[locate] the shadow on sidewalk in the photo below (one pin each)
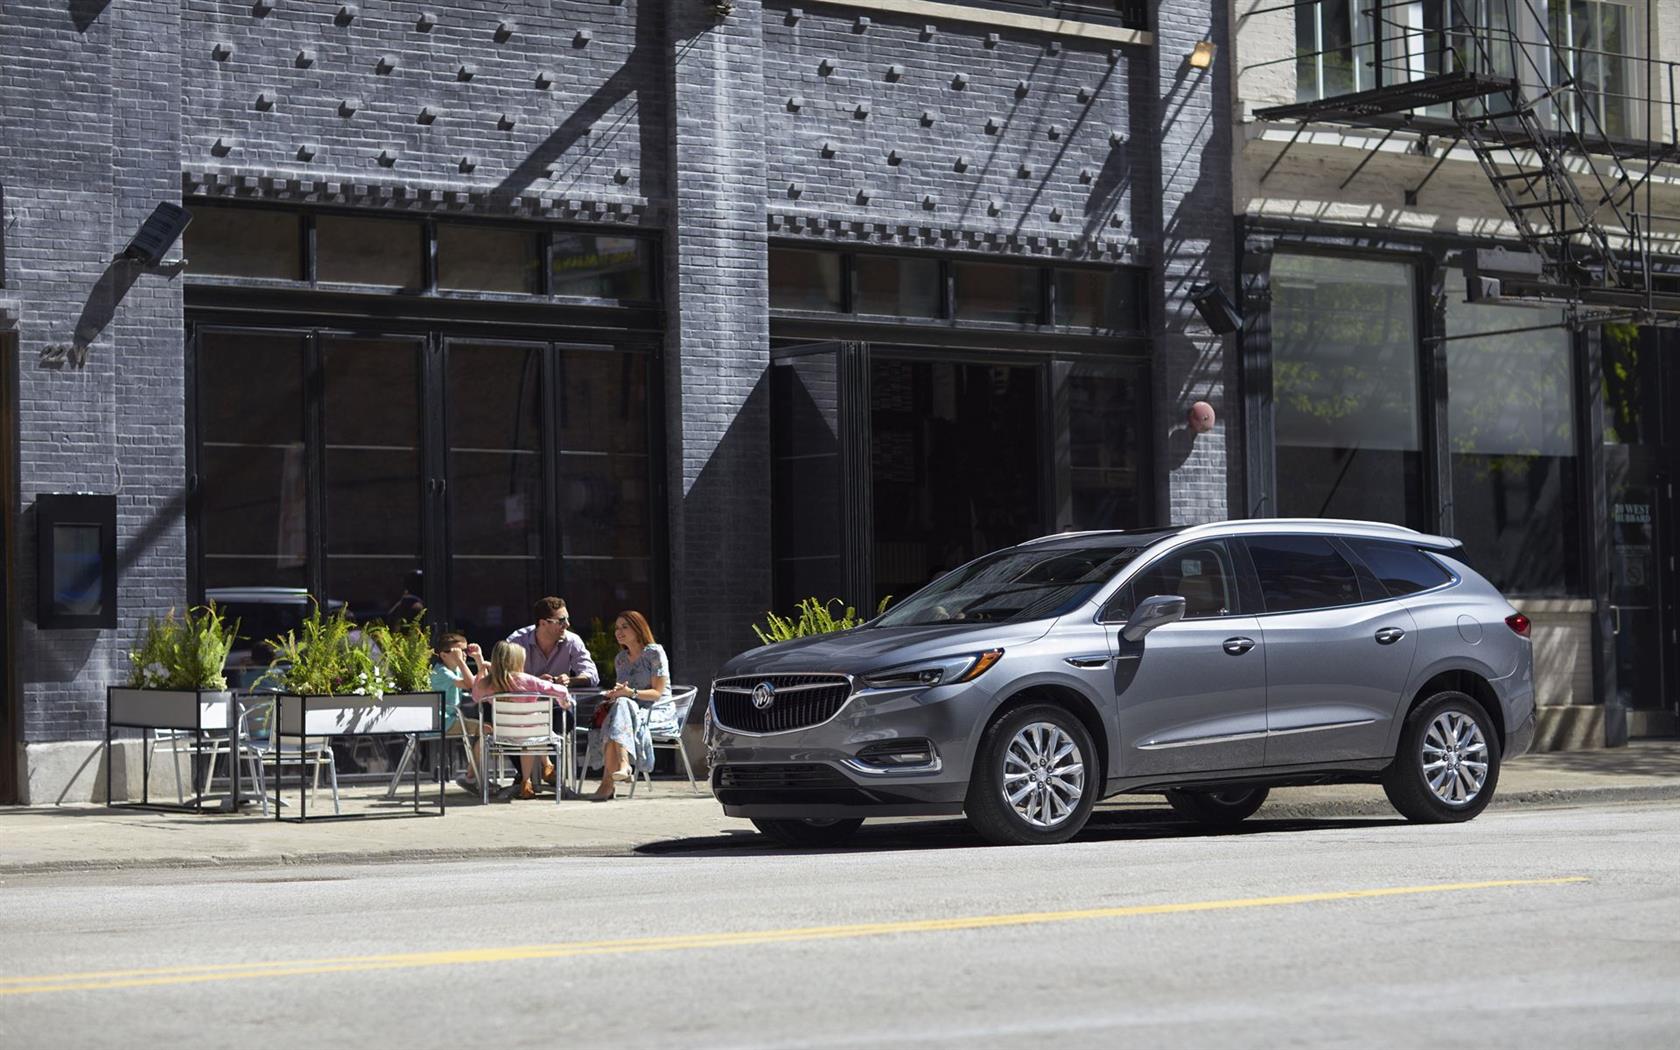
(1657, 758)
(1108, 826)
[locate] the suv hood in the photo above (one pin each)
(863, 650)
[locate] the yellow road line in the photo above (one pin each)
(112, 979)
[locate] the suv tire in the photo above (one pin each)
(1447, 765)
(1043, 757)
(804, 834)
(1219, 809)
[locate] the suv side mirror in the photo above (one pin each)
(1151, 613)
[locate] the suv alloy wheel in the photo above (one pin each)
(1035, 778)
(1447, 765)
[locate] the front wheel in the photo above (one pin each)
(803, 834)
(1035, 778)
(1448, 762)
(1220, 809)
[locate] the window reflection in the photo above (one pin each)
(906, 287)
(253, 504)
(1345, 389)
(244, 242)
(996, 292)
(1511, 431)
(801, 280)
(597, 267)
(475, 258)
(379, 252)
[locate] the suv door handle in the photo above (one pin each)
(1239, 645)
(1389, 635)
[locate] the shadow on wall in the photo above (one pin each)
(635, 77)
(86, 12)
(720, 538)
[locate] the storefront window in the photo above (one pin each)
(584, 264)
(383, 253)
(997, 292)
(801, 280)
(244, 242)
(1099, 299)
(605, 477)
(1345, 389)
(1107, 421)
(253, 497)
(905, 287)
(371, 419)
(487, 259)
(495, 495)
(1511, 434)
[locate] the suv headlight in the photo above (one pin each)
(948, 671)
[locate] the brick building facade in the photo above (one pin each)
(608, 221)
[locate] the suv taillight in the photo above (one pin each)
(1518, 623)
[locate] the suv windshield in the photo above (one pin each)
(1022, 583)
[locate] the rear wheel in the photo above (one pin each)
(1035, 778)
(1220, 809)
(808, 833)
(1448, 763)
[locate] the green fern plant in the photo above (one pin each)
(320, 657)
(813, 617)
(406, 651)
(189, 653)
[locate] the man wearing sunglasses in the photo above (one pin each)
(552, 650)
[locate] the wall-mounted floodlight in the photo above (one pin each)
(1201, 56)
(1216, 308)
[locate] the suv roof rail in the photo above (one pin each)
(1317, 523)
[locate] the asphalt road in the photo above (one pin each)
(1531, 928)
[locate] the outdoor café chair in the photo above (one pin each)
(683, 697)
(411, 753)
(175, 738)
(523, 724)
(258, 747)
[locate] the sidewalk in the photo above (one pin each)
(82, 838)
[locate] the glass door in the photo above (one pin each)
(957, 463)
(1642, 448)
(820, 528)
(493, 427)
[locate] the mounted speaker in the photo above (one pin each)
(1216, 308)
(160, 230)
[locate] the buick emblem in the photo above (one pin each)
(763, 694)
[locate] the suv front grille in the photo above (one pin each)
(801, 701)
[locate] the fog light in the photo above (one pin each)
(894, 756)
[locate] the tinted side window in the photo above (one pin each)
(1403, 570)
(1302, 572)
(1201, 575)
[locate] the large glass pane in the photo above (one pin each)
(996, 292)
(1511, 433)
(370, 408)
(584, 264)
(1099, 299)
(244, 242)
(494, 428)
(806, 481)
(380, 252)
(1301, 572)
(487, 259)
(903, 287)
(605, 511)
(1107, 420)
(804, 280)
(253, 504)
(956, 462)
(1345, 389)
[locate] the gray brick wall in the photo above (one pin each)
(541, 99)
(99, 370)
(718, 336)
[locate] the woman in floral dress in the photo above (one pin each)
(620, 742)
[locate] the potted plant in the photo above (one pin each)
(353, 681)
(176, 678)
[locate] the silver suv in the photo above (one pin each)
(1209, 663)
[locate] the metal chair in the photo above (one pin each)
(683, 697)
(258, 745)
(411, 753)
(175, 738)
(523, 724)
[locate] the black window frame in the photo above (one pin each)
(1043, 321)
(426, 224)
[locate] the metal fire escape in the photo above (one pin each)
(1515, 100)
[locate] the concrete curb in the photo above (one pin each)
(1372, 807)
